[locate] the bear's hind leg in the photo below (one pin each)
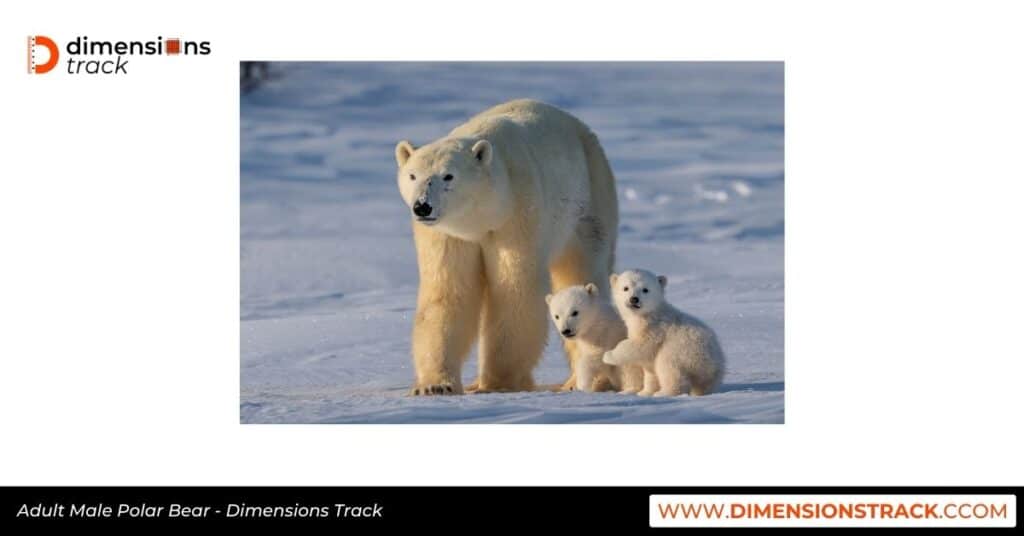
(702, 384)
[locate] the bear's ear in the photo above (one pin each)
(403, 151)
(547, 299)
(612, 278)
(663, 281)
(591, 289)
(483, 152)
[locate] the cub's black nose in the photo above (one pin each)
(566, 332)
(422, 209)
(634, 300)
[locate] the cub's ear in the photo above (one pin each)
(403, 151)
(591, 289)
(547, 299)
(483, 152)
(663, 281)
(612, 278)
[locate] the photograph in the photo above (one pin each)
(536, 267)
(512, 242)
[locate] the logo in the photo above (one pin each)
(53, 54)
(86, 56)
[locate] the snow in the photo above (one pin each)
(328, 268)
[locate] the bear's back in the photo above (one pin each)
(519, 113)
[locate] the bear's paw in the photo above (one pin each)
(436, 389)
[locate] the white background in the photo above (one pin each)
(119, 277)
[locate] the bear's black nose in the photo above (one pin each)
(566, 331)
(634, 300)
(422, 209)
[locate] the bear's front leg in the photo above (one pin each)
(650, 381)
(669, 377)
(632, 379)
(587, 369)
(624, 353)
(447, 310)
(513, 328)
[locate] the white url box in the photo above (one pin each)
(833, 510)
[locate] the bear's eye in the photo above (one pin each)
(645, 291)
(412, 177)
(448, 178)
(625, 289)
(575, 313)
(556, 317)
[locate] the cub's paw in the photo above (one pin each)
(645, 393)
(435, 389)
(475, 389)
(629, 391)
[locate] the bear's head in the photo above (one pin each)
(457, 185)
(637, 291)
(574, 309)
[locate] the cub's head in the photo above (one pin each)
(637, 291)
(573, 308)
(455, 184)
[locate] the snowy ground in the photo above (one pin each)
(328, 267)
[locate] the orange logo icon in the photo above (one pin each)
(41, 41)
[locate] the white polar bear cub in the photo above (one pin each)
(582, 315)
(671, 346)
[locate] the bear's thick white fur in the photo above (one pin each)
(676, 350)
(521, 200)
(582, 315)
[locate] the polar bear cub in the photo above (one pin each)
(674, 348)
(582, 315)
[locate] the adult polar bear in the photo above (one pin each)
(518, 200)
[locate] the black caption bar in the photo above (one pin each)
(438, 509)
